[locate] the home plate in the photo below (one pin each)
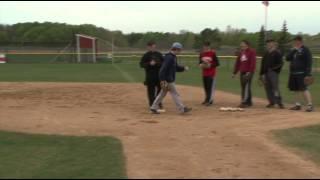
(231, 109)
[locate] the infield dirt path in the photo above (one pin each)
(205, 144)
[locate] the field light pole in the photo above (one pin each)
(112, 49)
(266, 5)
(266, 18)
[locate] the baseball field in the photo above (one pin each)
(92, 121)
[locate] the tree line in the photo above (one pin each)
(57, 34)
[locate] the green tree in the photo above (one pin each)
(284, 39)
(188, 39)
(261, 41)
(59, 34)
(134, 38)
(211, 35)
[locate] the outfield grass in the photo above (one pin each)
(127, 70)
(304, 141)
(41, 156)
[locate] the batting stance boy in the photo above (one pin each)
(271, 66)
(167, 77)
(208, 61)
(151, 62)
(300, 59)
(246, 65)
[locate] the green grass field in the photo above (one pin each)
(38, 156)
(127, 70)
(59, 157)
(305, 141)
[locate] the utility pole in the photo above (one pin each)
(112, 50)
(266, 4)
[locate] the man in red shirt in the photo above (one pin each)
(246, 65)
(208, 61)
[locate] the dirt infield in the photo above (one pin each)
(207, 143)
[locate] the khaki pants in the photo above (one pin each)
(175, 96)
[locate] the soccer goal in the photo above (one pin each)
(86, 48)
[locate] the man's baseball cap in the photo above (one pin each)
(176, 45)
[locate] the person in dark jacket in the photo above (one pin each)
(208, 62)
(151, 62)
(167, 77)
(246, 65)
(300, 59)
(271, 66)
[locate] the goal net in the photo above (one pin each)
(86, 49)
(92, 49)
(81, 49)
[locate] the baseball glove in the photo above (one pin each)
(247, 77)
(262, 81)
(309, 80)
(164, 85)
(205, 65)
(205, 62)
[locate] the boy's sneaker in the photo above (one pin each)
(244, 105)
(154, 111)
(161, 110)
(281, 106)
(204, 103)
(296, 108)
(310, 108)
(209, 103)
(270, 106)
(186, 110)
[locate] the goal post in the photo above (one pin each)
(86, 48)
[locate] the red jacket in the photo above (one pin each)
(246, 61)
(210, 72)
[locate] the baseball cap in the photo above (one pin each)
(176, 45)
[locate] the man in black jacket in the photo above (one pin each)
(151, 62)
(300, 59)
(271, 66)
(167, 77)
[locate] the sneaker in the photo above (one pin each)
(204, 103)
(270, 106)
(161, 110)
(296, 108)
(310, 108)
(209, 103)
(186, 110)
(154, 111)
(244, 106)
(281, 106)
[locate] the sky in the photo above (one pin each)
(171, 16)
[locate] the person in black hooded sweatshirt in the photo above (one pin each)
(151, 61)
(271, 66)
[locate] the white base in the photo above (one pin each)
(231, 109)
